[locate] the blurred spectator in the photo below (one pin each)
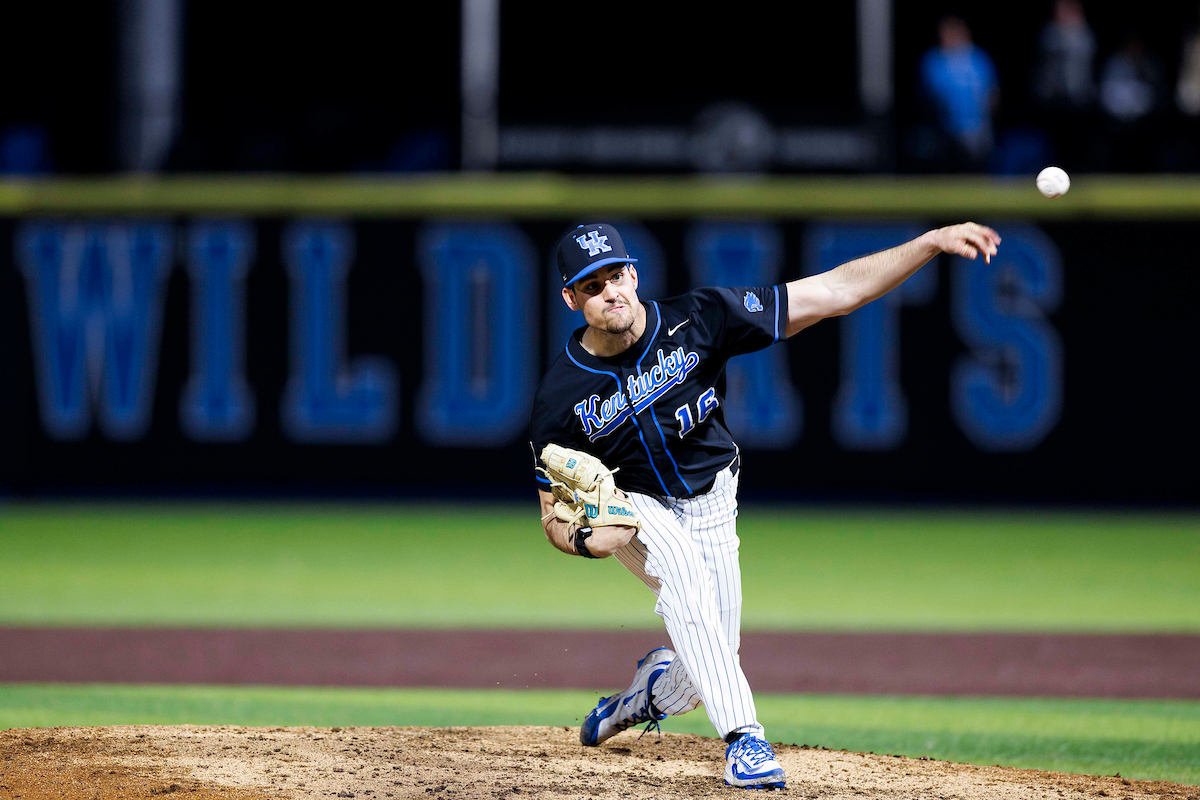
(1187, 90)
(1132, 90)
(959, 79)
(1180, 150)
(1067, 48)
(1132, 84)
(1064, 87)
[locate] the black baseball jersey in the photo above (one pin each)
(657, 409)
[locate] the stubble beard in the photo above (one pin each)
(619, 323)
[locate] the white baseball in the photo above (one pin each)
(1053, 181)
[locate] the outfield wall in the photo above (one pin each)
(235, 335)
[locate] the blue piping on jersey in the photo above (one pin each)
(776, 288)
(613, 375)
(653, 336)
(668, 452)
(653, 416)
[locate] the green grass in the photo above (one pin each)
(562, 196)
(1153, 740)
(435, 566)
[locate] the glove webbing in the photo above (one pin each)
(566, 490)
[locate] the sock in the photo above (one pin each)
(745, 730)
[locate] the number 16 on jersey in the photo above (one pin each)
(704, 406)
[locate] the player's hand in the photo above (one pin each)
(608, 539)
(968, 240)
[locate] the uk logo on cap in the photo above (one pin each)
(585, 249)
(594, 243)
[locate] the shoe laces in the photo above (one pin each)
(655, 725)
(645, 713)
(754, 751)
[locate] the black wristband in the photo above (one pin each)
(578, 537)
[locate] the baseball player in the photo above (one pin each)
(639, 392)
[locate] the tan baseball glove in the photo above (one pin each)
(584, 490)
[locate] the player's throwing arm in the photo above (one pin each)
(856, 283)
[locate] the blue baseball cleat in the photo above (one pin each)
(632, 706)
(750, 764)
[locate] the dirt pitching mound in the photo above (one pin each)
(231, 763)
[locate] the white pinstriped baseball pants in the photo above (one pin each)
(687, 553)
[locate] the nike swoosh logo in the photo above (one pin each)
(671, 331)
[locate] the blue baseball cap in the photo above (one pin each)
(587, 249)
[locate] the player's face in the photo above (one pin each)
(608, 298)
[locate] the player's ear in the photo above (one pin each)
(568, 296)
(633, 274)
